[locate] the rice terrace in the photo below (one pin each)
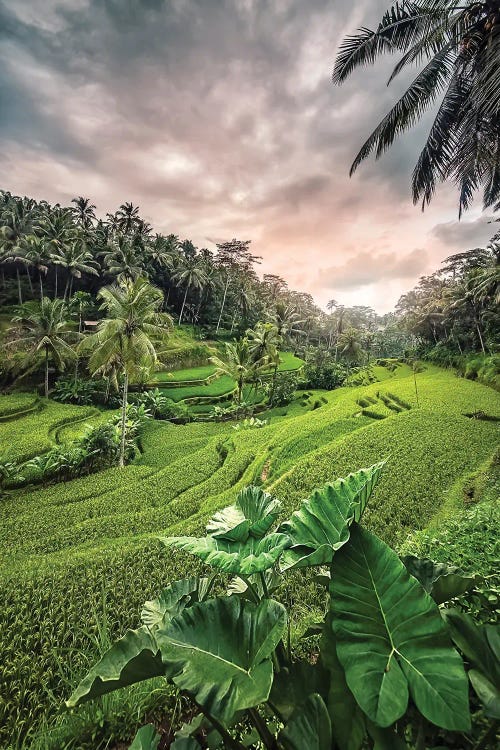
(249, 488)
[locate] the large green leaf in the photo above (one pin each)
(172, 600)
(253, 513)
(385, 738)
(309, 727)
(321, 525)
(147, 738)
(348, 721)
(391, 639)
(242, 558)
(133, 658)
(442, 582)
(220, 652)
(475, 642)
(487, 692)
(293, 684)
(185, 743)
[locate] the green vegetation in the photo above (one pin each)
(103, 527)
(229, 653)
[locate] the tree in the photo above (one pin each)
(127, 338)
(127, 218)
(121, 259)
(43, 335)
(240, 364)
(459, 46)
(232, 256)
(77, 260)
(190, 274)
(35, 253)
(350, 345)
(264, 342)
(84, 212)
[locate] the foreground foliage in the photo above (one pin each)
(383, 639)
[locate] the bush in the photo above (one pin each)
(281, 391)
(327, 375)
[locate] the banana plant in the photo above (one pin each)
(385, 649)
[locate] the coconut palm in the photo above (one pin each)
(121, 259)
(84, 212)
(239, 363)
(58, 230)
(77, 260)
(191, 275)
(43, 336)
(458, 45)
(265, 342)
(127, 218)
(126, 339)
(35, 254)
(350, 344)
(17, 222)
(287, 320)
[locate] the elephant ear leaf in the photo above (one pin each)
(309, 726)
(172, 600)
(224, 675)
(487, 692)
(133, 658)
(253, 514)
(239, 558)
(321, 525)
(391, 638)
(147, 738)
(442, 582)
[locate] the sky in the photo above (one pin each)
(219, 119)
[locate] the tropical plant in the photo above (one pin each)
(127, 338)
(121, 259)
(387, 668)
(239, 363)
(42, 335)
(192, 275)
(459, 47)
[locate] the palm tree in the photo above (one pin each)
(35, 253)
(121, 259)
(127, 218)
(57, 228)
(17, 221)
(459, 46)
(265, 342)
(190, 274)
(239, 364)
(462, 299)
(350, 344)
(84, 212)
(287, 320)
(77, 260)
(126, 339)
(43, 334)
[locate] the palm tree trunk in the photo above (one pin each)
(478, 329)
(19, 293)
(55, 290)
(46, 372)
(223, 303)
(66, 289)
(29, 280)
(273, 386)
(41, 285)
(71, 285)
(183, 304)
(121, 461)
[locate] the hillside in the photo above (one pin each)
(70, 547)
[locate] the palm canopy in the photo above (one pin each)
(43, 336)
(458, 45)
(121, 259)
(240, 364)
(131, 328)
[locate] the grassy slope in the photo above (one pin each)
(63, 545)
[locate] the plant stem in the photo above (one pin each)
(229, 741)
(260, 725)
(121, 462)
(487, 736)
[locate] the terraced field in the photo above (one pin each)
(68, 548)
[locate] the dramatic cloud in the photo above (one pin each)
(219, 118)
(364, 269)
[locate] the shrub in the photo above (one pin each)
(327, 375)
(281, 390)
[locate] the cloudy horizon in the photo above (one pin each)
(219, 119)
